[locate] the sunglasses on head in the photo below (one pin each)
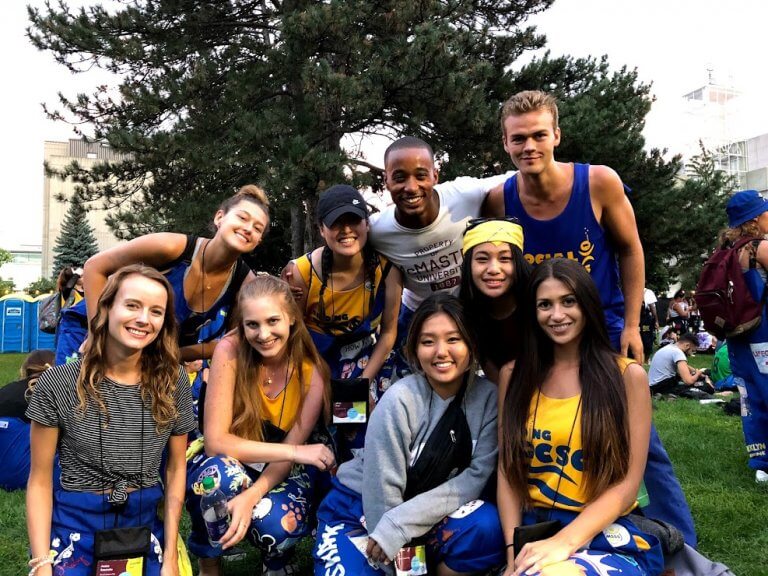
(474, 222)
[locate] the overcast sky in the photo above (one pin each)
(671, 42)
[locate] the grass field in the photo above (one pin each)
(706, 447)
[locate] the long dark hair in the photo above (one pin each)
(478, 303)
(604, 420)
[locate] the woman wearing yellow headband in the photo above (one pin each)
(493, 280)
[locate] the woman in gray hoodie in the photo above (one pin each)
(429, 452)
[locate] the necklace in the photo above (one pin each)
(271, 373)
(206, 286)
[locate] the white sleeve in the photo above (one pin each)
(477, 186)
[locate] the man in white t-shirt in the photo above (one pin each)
(422, 232)
(669, 370)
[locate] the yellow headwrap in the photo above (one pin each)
(496, 231)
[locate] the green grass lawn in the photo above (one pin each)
(706, 447)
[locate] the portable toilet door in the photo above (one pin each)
(36, 338)
(14, 318)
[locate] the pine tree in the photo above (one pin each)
(76, 243)
(215, 94)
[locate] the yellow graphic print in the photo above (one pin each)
(585, 251)
(565, 568)
(584, 255)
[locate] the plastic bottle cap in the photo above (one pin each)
(209, 483)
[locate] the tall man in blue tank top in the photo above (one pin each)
(581, 212)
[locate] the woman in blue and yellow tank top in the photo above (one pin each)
(350, 295)
(574, 433)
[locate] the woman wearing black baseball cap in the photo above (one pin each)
(350, 296)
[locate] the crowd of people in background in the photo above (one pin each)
(449, 382)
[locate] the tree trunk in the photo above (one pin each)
(311, 234)
(297, 232)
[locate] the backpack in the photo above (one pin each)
(725, 303)
(49, 312)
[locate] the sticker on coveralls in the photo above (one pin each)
(466, 509)
(616, 535)
(760, 354)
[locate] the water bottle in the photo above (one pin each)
(213, 505)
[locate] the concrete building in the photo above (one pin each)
(757, 163)
(709, 119)
(57, 156)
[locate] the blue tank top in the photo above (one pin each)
(575, 234)
(197, 327)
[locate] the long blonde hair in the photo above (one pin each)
(247, 410)
(159, 360)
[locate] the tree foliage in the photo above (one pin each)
(76, 243)
(5, 257)
(41, 286)
(215, 94)
(682, 223)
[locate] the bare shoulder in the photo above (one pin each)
(493, 206)
(605, 184)
(635, 376)
(505, 373)
(227, 347)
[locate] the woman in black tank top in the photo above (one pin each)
(493, 280)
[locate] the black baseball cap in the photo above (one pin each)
(338, 200)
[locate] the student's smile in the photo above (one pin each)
(410, 178)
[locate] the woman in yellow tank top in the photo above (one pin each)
(267, 390)
(575, 423)
(350, 295)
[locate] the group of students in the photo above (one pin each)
(558, 420)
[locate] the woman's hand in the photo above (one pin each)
(375, 552)
(318, 455)
(536, 555)
(240, 513)
(170, 565)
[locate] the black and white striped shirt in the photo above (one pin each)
(94, 458)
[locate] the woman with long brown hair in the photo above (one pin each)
(267, 390)
(205, 273)
(110, 415)
(573, 438)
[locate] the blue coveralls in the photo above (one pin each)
(749, 362)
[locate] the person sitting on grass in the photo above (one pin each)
(573, 439)
(350, 300)
(670, 373)
(14, 424)
(267, 390)
(429, 452)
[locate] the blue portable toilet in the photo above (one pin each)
(36, 338)
(13, 323)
